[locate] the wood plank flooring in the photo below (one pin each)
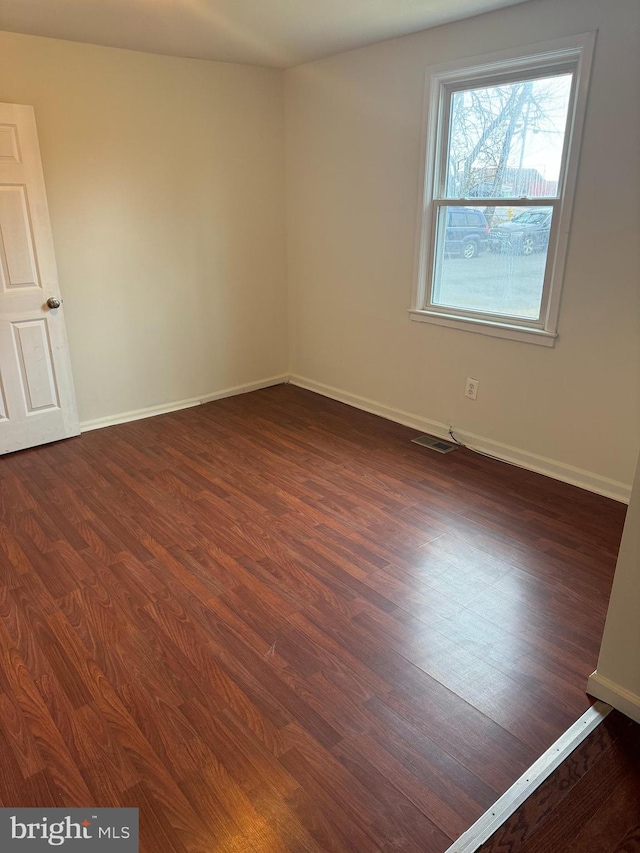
(591, 802)
(274, 624)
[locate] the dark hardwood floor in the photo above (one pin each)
(274, 624)
(591, 802)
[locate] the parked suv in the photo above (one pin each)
(467, 232)
(526, 233)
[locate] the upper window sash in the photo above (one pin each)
(471, 82)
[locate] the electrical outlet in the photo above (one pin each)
(471, 389)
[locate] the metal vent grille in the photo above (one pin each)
(434, 443)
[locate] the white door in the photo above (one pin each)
(37, 401)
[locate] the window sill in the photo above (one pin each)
(494, 328)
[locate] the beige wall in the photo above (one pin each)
(353, 155)
(165, 179)
(617, 679)
(165, 186)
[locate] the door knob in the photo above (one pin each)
(53, 302)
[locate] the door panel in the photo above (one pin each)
(37, 401)
(9, 151)
(36, 366)
(16, 239)
(3, 402)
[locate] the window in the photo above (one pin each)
(502, 146)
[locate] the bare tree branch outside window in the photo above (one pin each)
(496, 133)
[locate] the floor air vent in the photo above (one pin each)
(434, 443)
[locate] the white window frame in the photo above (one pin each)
(573, 54)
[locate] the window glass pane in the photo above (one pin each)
(506, 141)
(494, 266)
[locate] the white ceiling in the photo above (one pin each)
(277, 33)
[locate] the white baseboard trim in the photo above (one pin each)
(531, 461)
(512, 799)
(621, 698)
(165, 408)
(282, 379)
